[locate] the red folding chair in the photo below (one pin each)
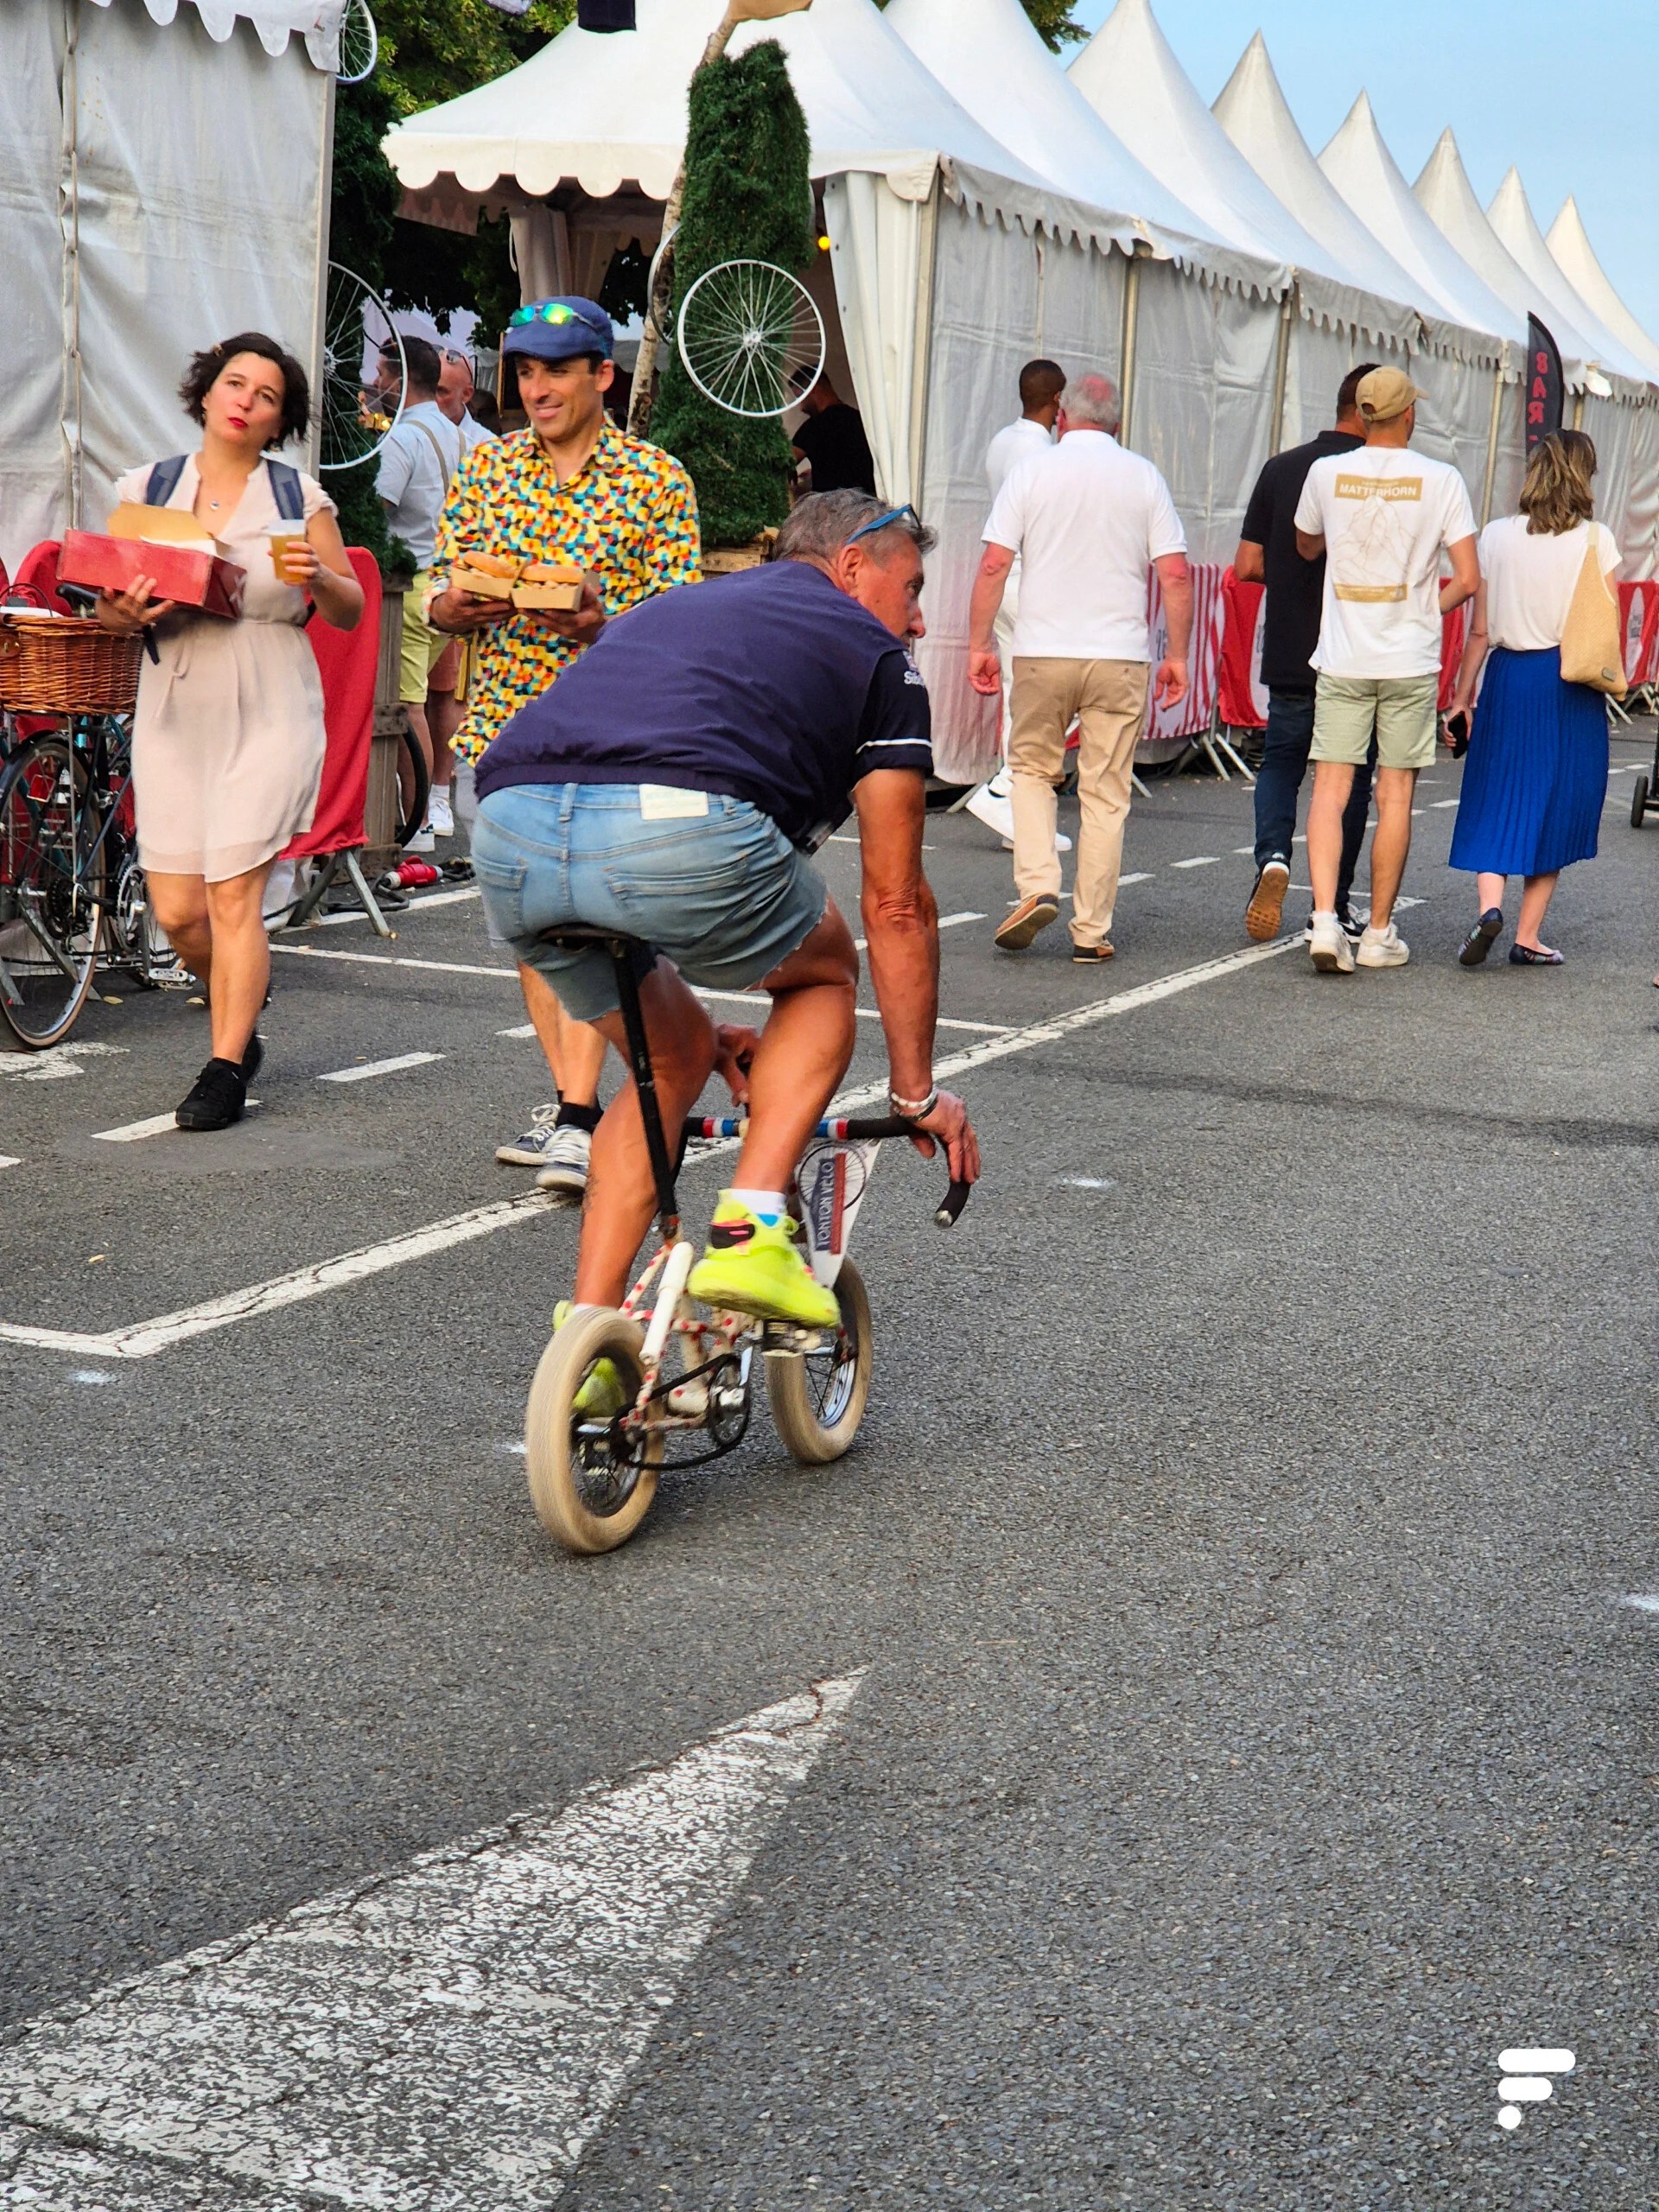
(37, 577)
(348, 660)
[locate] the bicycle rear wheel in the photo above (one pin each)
(414, 787)
(818, 1398)
(51, 891)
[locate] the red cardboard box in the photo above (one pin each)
(204, 580)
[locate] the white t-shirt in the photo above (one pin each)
(1014, 442)
(1088, 520)
(1530, 581)
(1384, 512)
(418, 463)
(473, 433)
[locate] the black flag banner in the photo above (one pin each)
(606, 15)
(1543, 386)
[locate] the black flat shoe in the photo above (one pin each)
(218, 1099)
(1527, 956)
(1478, 943)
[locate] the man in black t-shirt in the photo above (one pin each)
(671, 786)
(831, 440)
(1266, 554)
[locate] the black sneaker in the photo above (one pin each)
(1351, 926)
(218, 1099)
(253, 1059)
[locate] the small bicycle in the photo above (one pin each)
(687, 1376)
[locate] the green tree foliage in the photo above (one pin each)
(748, 195)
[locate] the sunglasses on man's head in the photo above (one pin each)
(885, 522)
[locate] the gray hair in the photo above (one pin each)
(1092, 401)
(820, 526)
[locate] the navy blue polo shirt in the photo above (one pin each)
(771, 686)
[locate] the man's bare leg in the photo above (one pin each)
(1390, 840)
(574, 1050)
(1333, 782)
(805, 1051)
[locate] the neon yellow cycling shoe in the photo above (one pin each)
(753, 1264)
(603, 1394)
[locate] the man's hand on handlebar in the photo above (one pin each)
(950, 1124)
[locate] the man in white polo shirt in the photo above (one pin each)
(1087, 520)
(1381, 516)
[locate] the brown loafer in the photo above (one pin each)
(1089, 956)
(1030, 915)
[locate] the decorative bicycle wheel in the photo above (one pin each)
(360, 45)
(355, 421)
(748, 329)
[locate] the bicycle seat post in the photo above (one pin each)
(644, 1081)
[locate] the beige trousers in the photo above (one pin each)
(1108, 701)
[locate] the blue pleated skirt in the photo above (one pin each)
(1535, 777)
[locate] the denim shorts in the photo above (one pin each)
(723, 893)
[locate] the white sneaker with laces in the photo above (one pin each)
(1332, 954)
(440, 815)
(565, 1168)
(531, 1149)
(1383, 948)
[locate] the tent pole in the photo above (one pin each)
(73, 455)
(1491, 442)
(1125, 348)
(1281, 364)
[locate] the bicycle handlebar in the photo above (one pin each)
(873, 1130)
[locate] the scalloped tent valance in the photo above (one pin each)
(275, 22)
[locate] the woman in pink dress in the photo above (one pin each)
(227, 741)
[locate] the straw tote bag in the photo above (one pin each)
(1592, 647)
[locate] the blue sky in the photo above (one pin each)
(1534, 82)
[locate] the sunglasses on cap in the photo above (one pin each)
(554, 311)
(885, 522)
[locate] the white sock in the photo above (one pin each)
(1324, 914)
(770, 1205)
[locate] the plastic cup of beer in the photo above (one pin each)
(283, 536)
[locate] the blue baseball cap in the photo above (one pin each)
(557, 330)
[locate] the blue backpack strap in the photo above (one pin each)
(164, 480)
(287, 490)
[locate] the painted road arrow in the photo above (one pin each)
(447, 2038)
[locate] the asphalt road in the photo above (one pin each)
(1256, 1738)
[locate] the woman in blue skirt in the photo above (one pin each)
(1535, 779)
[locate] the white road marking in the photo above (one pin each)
(367, 1073)
(1440, 805)
(432, 899)
(56, 1062)
(1204, 860)
(525, 1029)
(392, 960)
(131, 1132)
(757, 1004)
(7, 1160)
(450, 2038)
(1644, 1605)
(1245, 852)
(1122, 879)
(1089, 1182)
(144, 1339)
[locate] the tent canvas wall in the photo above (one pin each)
(145, 150)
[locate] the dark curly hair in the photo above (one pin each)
(206, 369)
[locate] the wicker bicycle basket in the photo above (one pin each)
(68, 666)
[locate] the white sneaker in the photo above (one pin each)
(440, 816)
(996, 811)
(422, 841)
(1383, 948)
(531, 1149)
(1332, 954)
(566, 1162)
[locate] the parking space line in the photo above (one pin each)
(374, 1068)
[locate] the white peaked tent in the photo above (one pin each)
(164, 182)
(1512, 222)
(988, 56)
(1445, 194)
(1369, 178)
(1570, 247)
(1254, 112)
(1129, 75)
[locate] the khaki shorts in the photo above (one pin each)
(422, 647)
(1399, 708)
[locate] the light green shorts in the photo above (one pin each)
(1399, 710)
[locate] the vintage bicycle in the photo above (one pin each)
(687, 1376)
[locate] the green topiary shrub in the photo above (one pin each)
(748, 196)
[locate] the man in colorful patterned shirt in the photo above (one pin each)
(571, 487)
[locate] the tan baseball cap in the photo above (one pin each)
(1386, 393)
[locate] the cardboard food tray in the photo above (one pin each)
(560, 597)
(481, 583)
(206, 582)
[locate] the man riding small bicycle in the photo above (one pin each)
(668, 789)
